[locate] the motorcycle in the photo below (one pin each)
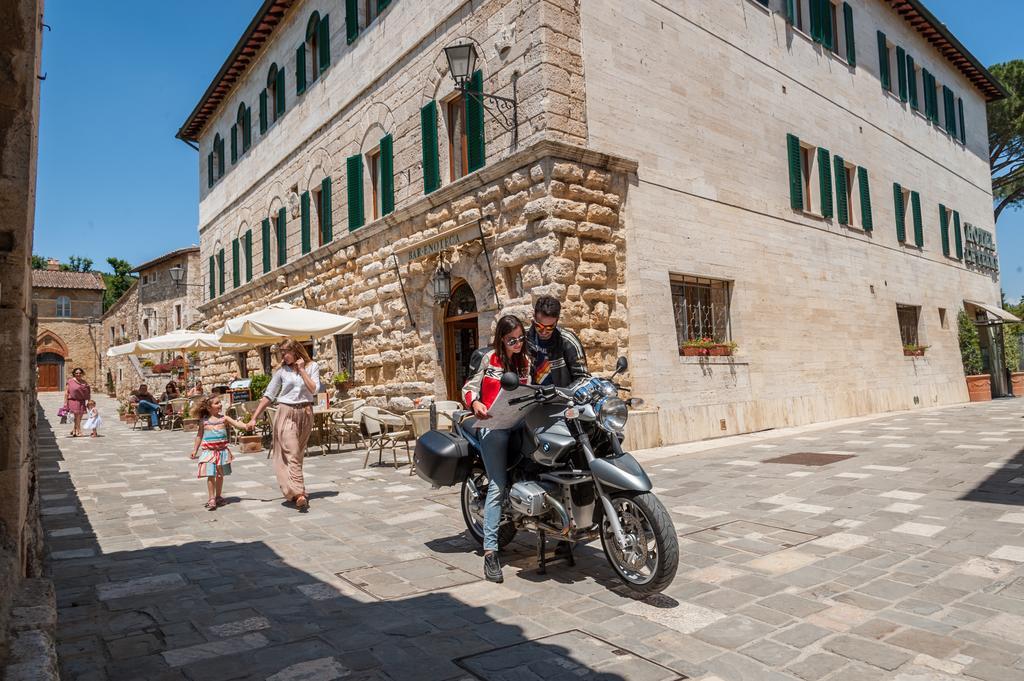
(568, 477)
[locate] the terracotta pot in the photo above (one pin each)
(123, 417)
(250, 444)
(1017, 378)
(190, 425)
(129, 418)
(689, 351)
(720, 351)
(979, 387)
(914, 353)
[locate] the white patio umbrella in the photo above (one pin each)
(281, 321)
(182, 339)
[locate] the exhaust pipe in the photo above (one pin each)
(562, 514)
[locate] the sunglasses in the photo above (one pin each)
(545, 327)
(515, 341)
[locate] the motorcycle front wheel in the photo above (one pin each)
(473, 509)
(649, 561)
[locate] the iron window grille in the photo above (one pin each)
(909, 317)
(701, 308)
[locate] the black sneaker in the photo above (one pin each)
(492, 568)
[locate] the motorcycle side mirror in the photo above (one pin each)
(509, 380)
(620, 365)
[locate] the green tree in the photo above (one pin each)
(118, 282)
(970, 344)
(77, 263)
(38, 262)
(1012, 335)
(1006, 137)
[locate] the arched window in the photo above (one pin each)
(63, 306)
(244, 123)
(313, 46)
(218, 156)
(275, 91)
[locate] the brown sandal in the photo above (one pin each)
(211, 505)
(301, 502)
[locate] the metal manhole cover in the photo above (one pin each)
(406, 578)
(570, 654)
(749, 537)
(809, 459)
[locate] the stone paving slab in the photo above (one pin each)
(901, 562)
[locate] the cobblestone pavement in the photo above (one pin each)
(904, 561)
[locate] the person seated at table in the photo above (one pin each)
(197, 390)
(147, 404)
(171, 391)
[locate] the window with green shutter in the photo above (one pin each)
(957, 238)
(236, 264)
(279, 105)
(263, 111)
(915, 202)
(245, 116)
(354, 178)
(306, 241)
(234, 144)
(351, 20)
(825, 181)
(220, 157)
(944, 229)
(949, 100)
(901, 212)
(266, 244)
(842, 205)
(865, 199)
(323, 43)
(912, 83)
(883, 62)
(963, 131)
(209, 169)
(220, 271)
(387, 175)
(796, 188)
(247, 251)
(327, 212)
(213, 278)
(791, 15)
(428, 138)
(300, 69)
(282, 237)
(901, 72)
(475, 123)
(851, 46)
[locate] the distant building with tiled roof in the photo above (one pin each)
(92, 281)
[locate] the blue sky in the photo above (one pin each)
(123, 75)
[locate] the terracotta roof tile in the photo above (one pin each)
(59, 279)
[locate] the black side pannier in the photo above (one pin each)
(442, 458)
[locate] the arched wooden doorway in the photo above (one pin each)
(460, 337)
(51, 351)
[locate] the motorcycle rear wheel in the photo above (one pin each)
(472, 510)
(649, 562)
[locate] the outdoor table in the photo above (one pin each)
(322, 423)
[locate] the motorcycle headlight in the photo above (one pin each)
(612, 414)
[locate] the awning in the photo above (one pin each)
(994, 310)
(183, 340)
(281, 321)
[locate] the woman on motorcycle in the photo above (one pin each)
(506, 354)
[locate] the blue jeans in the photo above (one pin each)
(494, 450)
(145, 407)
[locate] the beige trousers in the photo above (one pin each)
(292, 427)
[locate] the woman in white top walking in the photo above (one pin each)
(294, 386)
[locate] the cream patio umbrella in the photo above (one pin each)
(281, 321)
(183, 340)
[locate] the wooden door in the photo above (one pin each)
(49, 377)
(460, 338)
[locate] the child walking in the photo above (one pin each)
(92, 418)
(212, 437)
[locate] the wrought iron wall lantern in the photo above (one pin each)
(504, 110)
(442, 282)
(177, 273)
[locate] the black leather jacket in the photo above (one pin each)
(568, 360)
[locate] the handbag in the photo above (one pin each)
(63, 414)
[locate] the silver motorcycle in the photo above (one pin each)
(568, 478)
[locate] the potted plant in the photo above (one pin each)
(258, 385)
(914, 350)
(979, 385)
(122, 411)
(341, 381)
(722, 349)
(696, 347)
(1012, 334)
(187, 422)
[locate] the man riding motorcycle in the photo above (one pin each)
(557, 354)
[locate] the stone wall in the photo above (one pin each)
(21, 538)
(552, 216)
(123, 369)
(162, 296)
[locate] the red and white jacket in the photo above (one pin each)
(485, 384)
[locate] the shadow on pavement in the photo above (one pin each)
(1004, 486)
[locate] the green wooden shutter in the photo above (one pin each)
(266, 245)
(944, 229)
(213, 279)
(247, 247)
(323, 43)
(300, 69)
(912, 84)
(865, 199)
(304, 203)
(220, 160)
(220, 271)
(387, 175)
(351, 20)
(381, 4)
(842, 207)
(354, 177)
(883, 63)
(282, 237)
(901, 212)
(963, 130)
(428, 136)
(915, 202)
(234, 144)
(851, 46)
(236, 264)
(279, 104)
(209, 169)
(901, 72)
(247, 129)
(791, 11)
(815, 11)
(828, 38)
(475, 123)
(263, 111)
(949, 107)
(327, 210)
(957, 239)
(796, 184)
(825, 180)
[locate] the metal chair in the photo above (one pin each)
(349, 421)
(380, 437)
(419, 423)
(175, 417)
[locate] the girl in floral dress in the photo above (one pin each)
(212, 438)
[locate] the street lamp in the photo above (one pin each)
(442, 283)
(461, 64)
(177, 274)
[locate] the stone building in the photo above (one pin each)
(155, 304)
(756, 175)
(69, 306)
